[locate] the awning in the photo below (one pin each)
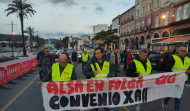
(172, 40)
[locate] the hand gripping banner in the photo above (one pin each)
(114, 92)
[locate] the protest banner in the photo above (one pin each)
(113, 92)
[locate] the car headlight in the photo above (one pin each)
(79, 55)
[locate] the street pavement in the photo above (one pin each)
(23, 94)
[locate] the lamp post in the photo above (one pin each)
(12, 44)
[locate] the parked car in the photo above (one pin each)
(158, 60)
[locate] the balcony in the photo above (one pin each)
(148, 27)
(142, 29)
(124, 33)
(136, 30)
(125, 21)
(128, 20)
(132, 18)
(128, 33)
(132, 31)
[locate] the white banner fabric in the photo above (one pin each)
(113, 92)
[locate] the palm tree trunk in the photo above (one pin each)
(22, 29)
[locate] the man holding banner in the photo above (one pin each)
(178, 62)
(61, 71)
(98, 68)
(140, 65)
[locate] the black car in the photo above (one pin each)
(158, 60)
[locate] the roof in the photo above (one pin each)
(176, 39)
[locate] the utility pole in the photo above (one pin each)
(12, 37)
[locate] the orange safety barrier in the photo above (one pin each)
(25, 66)
(2, 75)
(13, 71)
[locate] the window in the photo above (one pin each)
(143, 9)
(132, 27)
(128, 28)
(157, 21)
(129, 15)
(186, 11)
(143, 23)
(137, 13)
(133, 13)
(166, 19)
(150, 7)
(125, 29)
(178, 17)
(157, 3)
(149, 21)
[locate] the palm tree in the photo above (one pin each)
(22, 9)
(30, 31)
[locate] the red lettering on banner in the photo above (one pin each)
(123, 87)
(117, 84)
(62, 92)
(71, 87)
(159, 80)
(99, 86)
(111, 84)
(52, 87)
(172, 79)
(131, 84)
(139, 83)
(164, 79)
(89, 86)
(79, 86)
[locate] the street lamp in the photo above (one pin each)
(163, 16)
(12, 44)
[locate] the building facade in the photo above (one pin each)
(127, 23)
(154, 21)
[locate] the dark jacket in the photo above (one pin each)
(48, 77)
(74, 57)
(131, 72)
(45, 63)
(41, 53)
(125, 55)
(88, 70)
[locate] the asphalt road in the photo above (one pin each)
(23, 94)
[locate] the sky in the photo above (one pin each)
(60, 18)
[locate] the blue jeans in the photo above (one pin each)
(137, 107)
(115, 69)
(177, 102)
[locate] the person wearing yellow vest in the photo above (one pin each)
(98, 68)
(140, 65)
(61, 71)
(85, 58)
(178, 62)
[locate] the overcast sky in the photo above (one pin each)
(59, 18)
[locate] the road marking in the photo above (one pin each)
(125, 108)
(6, 106)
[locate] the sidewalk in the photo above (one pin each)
(21, 59)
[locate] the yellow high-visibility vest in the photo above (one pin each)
(101, 73)
(179, 66)
(66, 74)
(84, 57)
(140, 68)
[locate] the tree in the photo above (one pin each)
(22, 9)
(65, 42)
(57, 44)
(107, 36)
(30, 31)
(72, 44)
